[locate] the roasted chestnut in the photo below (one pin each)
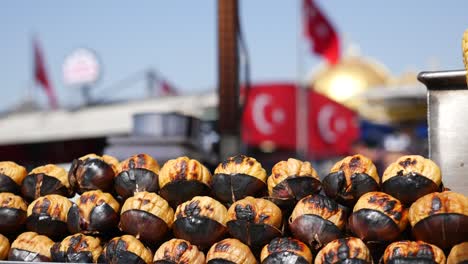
(4, 247)
(458, 254)
(378, 216)
(93, 172)
(95, 212)
(147, 216)
(137, 174)
(238, 177)
(350, 178)
(411, 177)
(13, 213)
(47, 216)
(254, 221)
(31, 247)
(413, 252)
(125, 250)
(11, 177)
(285, 250)
(440, 218)
(182, 179)
(178, 251)
(317, 220)
(44, 180)
(77, 248)
(349, 250)
(202, 221)
(230, 251)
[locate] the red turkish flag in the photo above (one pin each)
(40, 75)
(319, 31)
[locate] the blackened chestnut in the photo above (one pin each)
(285, 250)
(182, 179)
(95, 212)
(440, 219)
(317, 220)
(4, 247)
(410, 178)
(147, 216)
(350, 178)
(458, 254)
(238, 177)
(349, 250)
(202, 221)
(137, 174)
(11, 177)
(125, 250)
(44, 180)
(77, 248)
(13, 213)
(230, 251)
(31, 247)
(413, 252)
(178, 251)
(48, 215)
(254, 221)
(93, 172)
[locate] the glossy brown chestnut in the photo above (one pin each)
(317, 220)
(440, 218)
(137, 174)
(44, 180)
(202, 221)
(13, 213)
(413, 252)
(95, 212)
(378, 216)
(238, 177)
(285, 250)
(11, 177)
(349, 250)
(254, 221)
(458, 254)
(48, 215)
(4, 247)
(350, 178)
(230, 251)
(93, 172)
(77, 248)
(410, 178)
(147, 216)
(178, 251)
(125, 250)
(31, 247)
(182, 179)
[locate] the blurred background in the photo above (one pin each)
(315, 80)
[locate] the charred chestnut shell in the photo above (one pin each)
(47, 216)
(125, 249)
(11, 177)
(230, 251)
(93, 172)
(178, 251)
(202, 221)
(317, 220)
(4, 247)
(350, 250)
(410, 178)
(44, 180)
(350, 178)
(77, 249)
(238, 177)
(13, 213)
(413, 252)
(137, 174)
(31, 247)
(285, 250)
(147, 216)
(95, 213)
(440, 219)
(182, 179)
(458, 254)
(254, 221)
(378, 216)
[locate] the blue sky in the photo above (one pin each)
(178, 38)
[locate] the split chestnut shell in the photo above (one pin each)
(458, 254)
(4, 247)
(178, 251)
(31, 247)
(13, 213)
(44, 180)
(125, 250)
(11, 177)
(350, 250)
(77, 248)
(230, 251)
(285, 250)
(413, 252)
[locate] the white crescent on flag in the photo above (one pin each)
(259, 114)
(329, 131)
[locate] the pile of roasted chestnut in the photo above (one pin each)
(136, 212)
